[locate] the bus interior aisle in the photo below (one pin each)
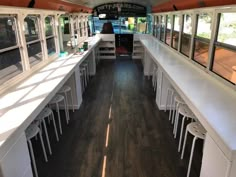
(118, 131)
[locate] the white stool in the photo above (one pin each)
(85, 65)
(186, 113)
(88, 68)
(55, 101)
(198, 131)
(154, 78)
(31, 132)
(82, 80)
(169, 99)
(177, 101)
(83, 69)
(65, 90)
(47, 113)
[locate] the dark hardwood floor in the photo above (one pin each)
(117, 132)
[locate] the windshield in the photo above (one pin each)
(123, 25)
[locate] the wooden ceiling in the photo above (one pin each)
(88, 5)
(48, 4)
(173, 5)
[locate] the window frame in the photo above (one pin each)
(20, 15)
(163, 28)
(214, 11)
(189, 35)
(54, 35)
(201, 39)
(215, 44)
(170, 15)
(40, 39)
(154, 26)
(18, 45)
(173, 30)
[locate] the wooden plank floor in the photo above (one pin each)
(117, 132)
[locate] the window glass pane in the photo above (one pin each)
(154, 26)
(49, 25)
(185, 44)
(204, 26)
(201, 40)
(175, 36)
(168, 22)
(75, 32)
(31, 28)
(75, 27)
(227, 28)
(80, 29)
(98, 24)
(176, 23)
(187, 28)
(168, 37)
(10, 64)
(141, 25)
(51, 46)
(65, 25)
(201, 51)
(224, 63)
(186, 36)
(158, 28)
(162, 28)
(7, 32)
(168, 29)
(175, 40)
(34, 53)
(84, 29)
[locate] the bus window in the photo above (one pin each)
(50, 35)
(10, 57)
(224, 62)
(33, 43)
(175, 35)
(186, 35)
(162, 29)
(168, 30)
(202, 39)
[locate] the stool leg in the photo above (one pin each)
(191, 156)
(66, 107)
(173, 112)
(59, 118)
(85, 78)
(185, 139)
(55, 127)
(82, 83)
(167, 97)
(171, 106)
(181, 133)
(155, 83)
(47, 138)
(66, 112)
(87, 69)
(43, 147)
(176, 123)
(72, 100)
(32, 157)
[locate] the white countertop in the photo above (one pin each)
(213, 103)
(20, 106)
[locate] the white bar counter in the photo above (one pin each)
(212, 102)
(20, 106)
